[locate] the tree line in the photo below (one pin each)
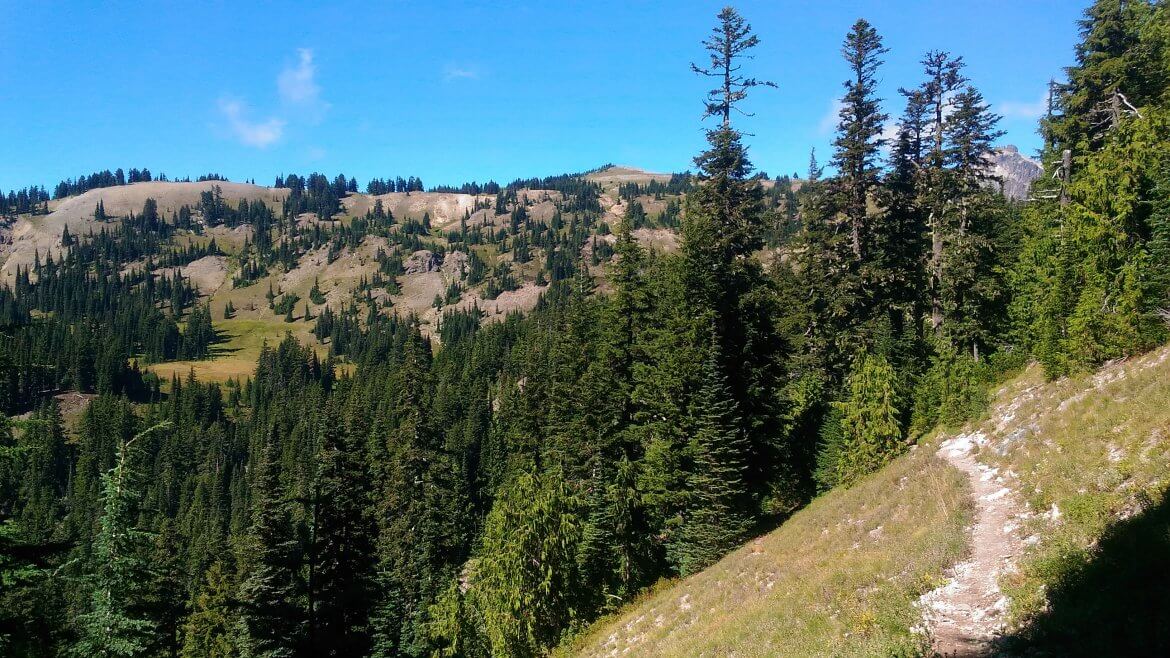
(494, 495)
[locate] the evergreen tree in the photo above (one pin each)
(715, 520)
(208, 632)
(725, 287)
(858, 142)
(896, 271)
(616, 555)
(814, 168)
(869, 419)
(421, 508)
(116, 623)
(933, 98)
(341, 584)
(1117, 65)
(272, 614)
(971, 281)
(524, 582)
(1084, 277)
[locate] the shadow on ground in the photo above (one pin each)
(1117, 604)
(218, 347)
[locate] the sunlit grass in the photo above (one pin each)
(1088, 451)
(234, 357)
(840, 578)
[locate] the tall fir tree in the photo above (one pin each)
(725, 286)
(858, 143)
(117, 623)
(272, 614)
(343, 535)
(716, 518)
(933, 98)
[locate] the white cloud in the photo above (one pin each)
(300, 102)
(890, 132)
(259, 134)
(1029, 110)
(453, 72)
(298, 86)
(829, 121)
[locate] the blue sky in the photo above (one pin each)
(458, 91)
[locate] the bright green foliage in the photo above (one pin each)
(1121, 50)
(871, 434)
(1088, 265)
(952, 391)
(524, 583)
(208, 631)
(830, 451)
(1090, 285)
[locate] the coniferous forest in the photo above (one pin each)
(494, 491)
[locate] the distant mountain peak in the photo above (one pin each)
(1015, 171)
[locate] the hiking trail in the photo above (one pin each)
(965, 615)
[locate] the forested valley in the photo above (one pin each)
(494, 488)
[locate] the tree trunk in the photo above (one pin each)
(1065, 175)
(857, 238)
(936, 253)
(936, 230)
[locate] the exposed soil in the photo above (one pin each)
(207, 273)
(42, 234)
(965, 615)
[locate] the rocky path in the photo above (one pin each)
(965, 615)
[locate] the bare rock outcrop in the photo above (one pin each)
(421, 261)
(1014, 172)
(455, 264)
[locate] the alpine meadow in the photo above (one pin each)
(911, 401)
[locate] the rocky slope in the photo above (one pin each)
(1014, 171)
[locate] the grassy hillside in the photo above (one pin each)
(840, 578)
(340, 275)
(235, 357)
(1090, 459)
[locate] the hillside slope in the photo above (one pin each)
(421, 254)
(839, 578)
(1046, 535)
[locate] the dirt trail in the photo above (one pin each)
(965, 615)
